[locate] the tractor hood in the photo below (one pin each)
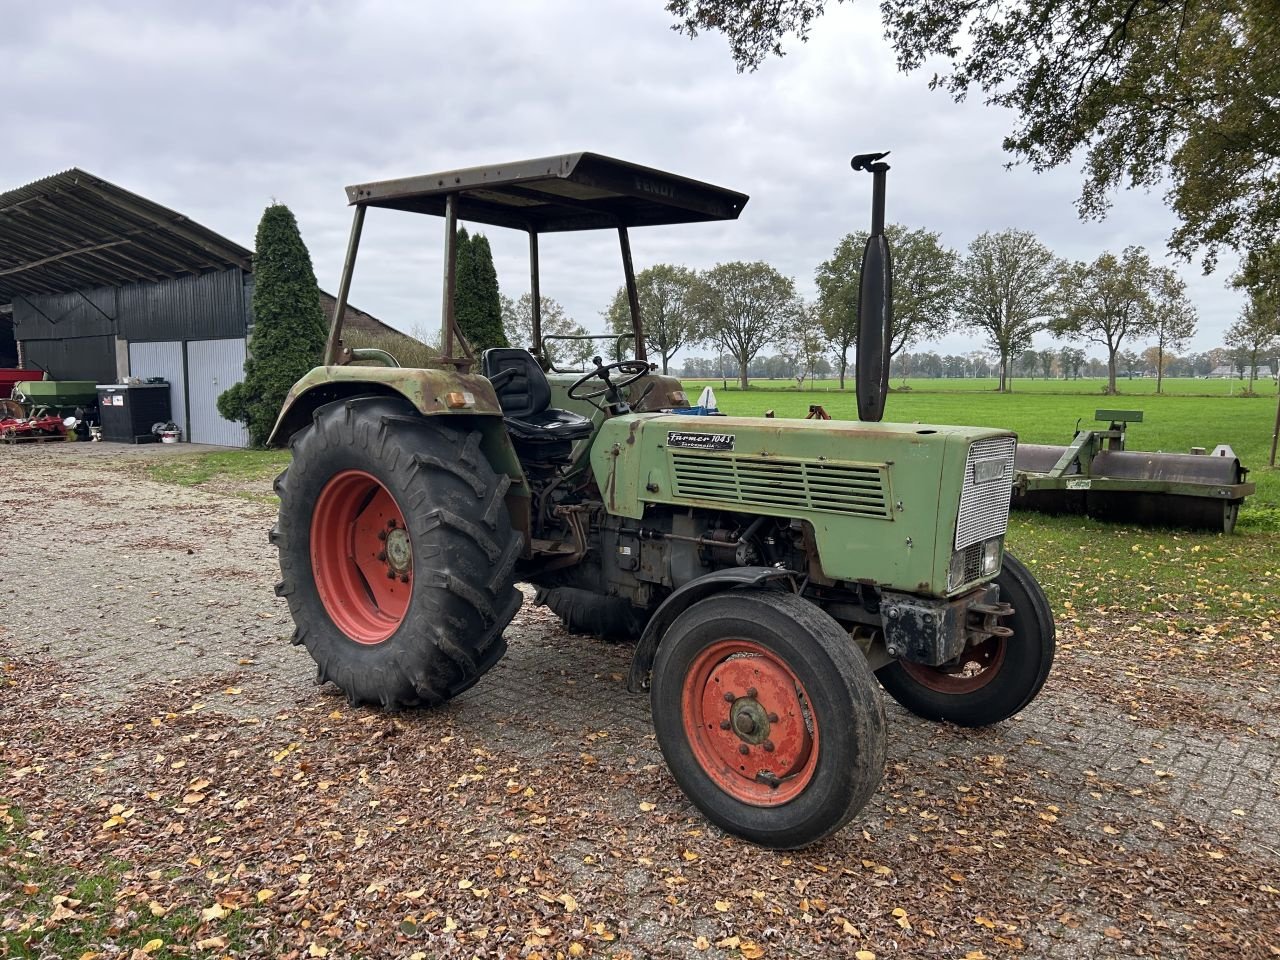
(883, 499)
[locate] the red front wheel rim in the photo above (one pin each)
(361, 556)
(750, 723)
(973, 670)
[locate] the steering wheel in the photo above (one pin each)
(632, 370)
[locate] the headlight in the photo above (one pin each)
(974, 562)
(990, 557)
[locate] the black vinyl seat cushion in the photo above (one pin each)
(525, 396)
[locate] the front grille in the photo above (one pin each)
(984, 502)
(852, 489)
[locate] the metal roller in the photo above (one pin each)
(1215, 508)
(1095, 476)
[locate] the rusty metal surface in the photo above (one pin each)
(427, 389)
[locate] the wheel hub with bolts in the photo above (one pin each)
(754, 730)
(398, 552)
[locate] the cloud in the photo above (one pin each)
(217, 109)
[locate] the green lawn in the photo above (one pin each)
(1047, 411)
(242, 473)
(1139, 386)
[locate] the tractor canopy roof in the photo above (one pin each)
(573, 191)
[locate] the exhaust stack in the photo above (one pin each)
(875, 299)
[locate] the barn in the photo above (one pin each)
(98, 283)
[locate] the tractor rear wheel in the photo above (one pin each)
(768, 717)
(992, 680)
(396, 553)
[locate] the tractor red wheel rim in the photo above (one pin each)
(750, 723)
(974, 669)
(361, 556)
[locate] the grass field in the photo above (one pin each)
(1047, 411)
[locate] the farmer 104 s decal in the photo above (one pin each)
(773, 574)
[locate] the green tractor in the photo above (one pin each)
(768, 571)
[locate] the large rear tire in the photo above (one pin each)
(992, 680)
(396, 553)
(768, 717)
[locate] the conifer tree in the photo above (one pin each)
(288, 334)
(477, 302)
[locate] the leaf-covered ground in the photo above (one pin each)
(172, 785)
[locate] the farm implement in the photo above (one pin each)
(20, 429)
(768, 571)
(1096, 476)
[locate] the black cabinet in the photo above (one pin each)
(127, 411)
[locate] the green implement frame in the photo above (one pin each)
(1095, 475)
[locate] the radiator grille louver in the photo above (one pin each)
(984, 504)
(822, 486)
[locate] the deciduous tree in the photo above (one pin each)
(667, 317)
(1006, 283)
(1253, 336)
(289, 329)
(806, 345)
(1107, 302)
(924, 290)
(1173, 318)
(1072, 360)
(517, 322)
(1148, 92)
(745, 307)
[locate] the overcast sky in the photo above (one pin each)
(216, 109)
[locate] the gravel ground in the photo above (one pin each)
(155, 721)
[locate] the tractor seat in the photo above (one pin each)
(525, 396)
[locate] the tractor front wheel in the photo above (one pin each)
(992, 680)
(396, 553)
(768, 717)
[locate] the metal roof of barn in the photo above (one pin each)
(73, 230)
(573, 191)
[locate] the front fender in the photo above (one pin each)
(730, 578)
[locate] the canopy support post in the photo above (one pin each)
(633, 294)
(333, 346)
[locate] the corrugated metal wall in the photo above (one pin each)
(212, 367)
(163, 359)
(66, 316)
(208, 307)
(212, 306)
(70, 334)
(82, 358)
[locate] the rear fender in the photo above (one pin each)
(731, 578)
(467, 399)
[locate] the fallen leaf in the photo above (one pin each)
(216, 912)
